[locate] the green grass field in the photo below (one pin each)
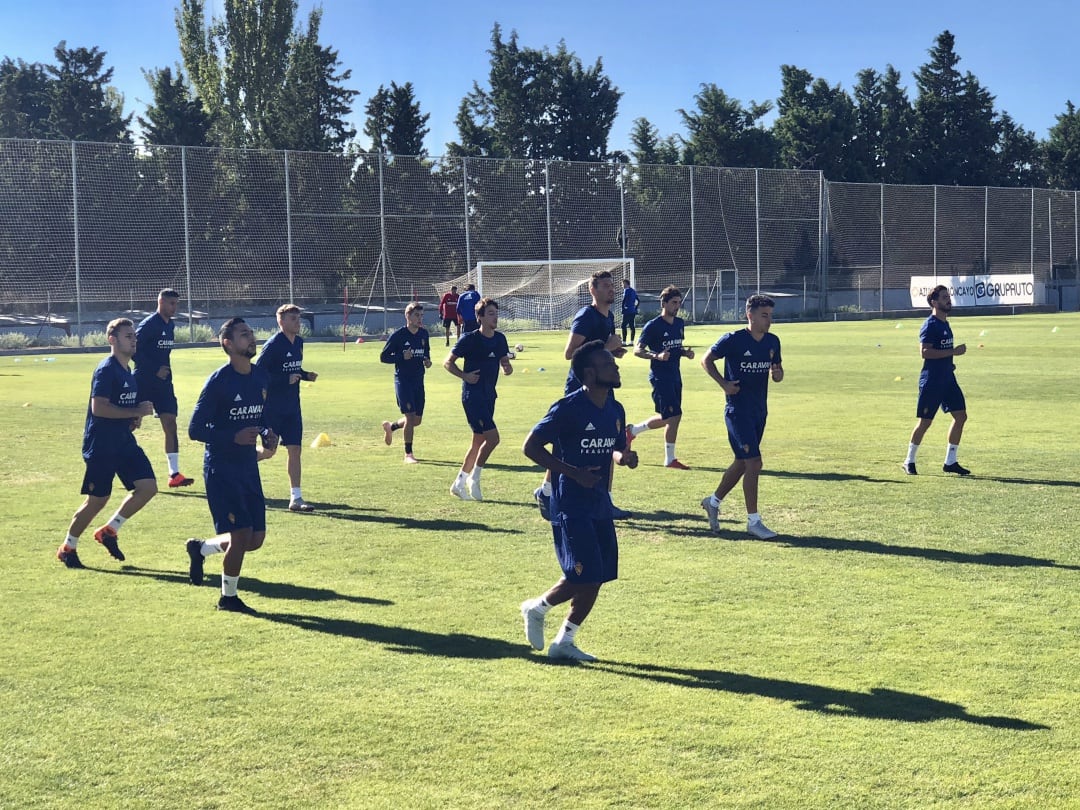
(905, 642)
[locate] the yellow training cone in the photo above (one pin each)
(322, 440)
(898, 379)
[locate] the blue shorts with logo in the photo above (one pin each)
(745, 432)
(158, 391)
(938, 393)
(289, 426)
(586, 548)
(235, 496)
(480, 413)
(667, 397)
(129, 464)
(410, 396)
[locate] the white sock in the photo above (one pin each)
(714, 501)
(950, 454)
(229, 585)
(294, 493)
(541, 604)
(639, 428)
(71, 541)
(566, 633)
(117, 521)
(174, 463)
(461, 477)
(669, 452)
(753, 517)
(546, 488)
(212, 546)
(476, 472)
(912, 449)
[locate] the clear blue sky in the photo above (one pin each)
(656, 53)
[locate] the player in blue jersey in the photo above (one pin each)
(409, 350)
(661, 343)
(938, 387)
(229, 418)
(109, 447)
(629, 308)
(466, 309)
(751, 357)
(154, 342)
(594, 322)
(485, 352)
(586, 432)
(282, 358)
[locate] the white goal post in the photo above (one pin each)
(542, 294)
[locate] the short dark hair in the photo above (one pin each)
(934, 293)
(758, 301)
(227, 329)
(626, 281)
(115, 324)
(483, 304)
(599, 274)
(669, 292)
(470, 286)
(453, 288)
(583, 357)
(168, 292)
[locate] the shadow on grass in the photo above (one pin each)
(809, 476)
(270, 590)
(335, 511)
(877, 704)
(1046, 482)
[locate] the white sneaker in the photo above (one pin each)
(713, 512)
(458, 490)
(534, 623)
(474, 489)
(760, 530)
(410, 459)
(567, 649)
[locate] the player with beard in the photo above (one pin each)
(938, 387)
(587, 434)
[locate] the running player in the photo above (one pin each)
(448, 311)
(484, 351)
(751, 356)
(661, 343)
(409, 349)
(594, 322)
(229, 418)
(109, 447)
(153, 372)
(586, 434)
(281, 358)
(938, 387)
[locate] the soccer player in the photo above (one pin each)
(281, 358)
(466, 308)
(484, 351)
(630, 304)
(586, 434)
(938, 387)
(594, 322)
(109, 446)
(661, 343)
(751, 356)
(409, 349)
(155, 338)
(229, 418)
(448, 311)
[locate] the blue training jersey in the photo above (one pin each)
(938, 335)
(591, 324)
(280, 358)
(117, 384)
(402, 339)
(657, 336)
(466, 305)
(749, 361)
(229, 402)
(154, 341)
(629, 301)
(481, 354)
(583, 435)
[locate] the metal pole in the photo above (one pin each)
(1076, 248)
(465, 196)
(693, 238)
(187, 246)
(822, 220)
(75, 226)
(1031, 236)
(881, 252)
(1050, 231)
(935, 233)
(547, 207)
(382, 241)
(757, 229)
(986, 224)
(288, 227)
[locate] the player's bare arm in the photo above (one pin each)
(708, 362)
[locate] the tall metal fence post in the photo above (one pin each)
(75, 227)
(757, 233)
(986, 223)
(382, 241)
(693, 234)
(935, 234)
(881, 246)
(465, 196)
(1031, 236)
(187, 245)
(547, 208)
(288, 227)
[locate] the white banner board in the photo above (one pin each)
(977, 291)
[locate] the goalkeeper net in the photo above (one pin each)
(536, 295)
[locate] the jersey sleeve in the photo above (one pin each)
(391, 350)
(547, 429)
(202, 427)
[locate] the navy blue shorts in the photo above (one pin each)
(586, 548)
(158, 391)
(410, 396)
(480, 414)
(745, 432)
(129, 465)
(288, 426)
(235, 497)
(934, 394)
(667, 397)
(469, 326)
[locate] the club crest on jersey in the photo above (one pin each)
(578, 568)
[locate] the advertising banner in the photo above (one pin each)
(977, 291)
